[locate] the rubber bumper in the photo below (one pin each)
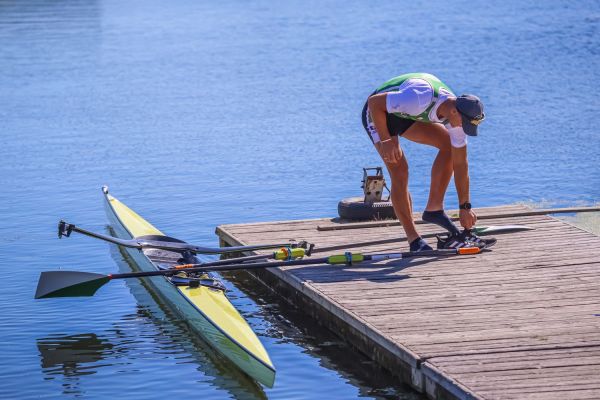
(355, 209)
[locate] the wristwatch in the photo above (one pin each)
(465, 206)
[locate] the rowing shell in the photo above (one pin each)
(205, 308)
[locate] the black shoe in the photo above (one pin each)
(419, 245)
(447, 241)
(480, 242)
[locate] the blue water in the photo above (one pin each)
(201, 113)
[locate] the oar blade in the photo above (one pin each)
(69, 284)
(495, 229)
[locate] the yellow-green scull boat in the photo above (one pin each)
(205, 306)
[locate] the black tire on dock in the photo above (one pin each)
(355, 209)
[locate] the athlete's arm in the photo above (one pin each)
(460, 165)
(377, 107)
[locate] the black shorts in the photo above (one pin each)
(396, 125)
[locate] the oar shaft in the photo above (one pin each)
(191, 268)
(157, 242)
(348, 258)
(283, 255)
(65, 229)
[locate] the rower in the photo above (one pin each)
(423, 109)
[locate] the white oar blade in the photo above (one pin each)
(493, 229)
(69, 284)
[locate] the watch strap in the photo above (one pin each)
(465, 206)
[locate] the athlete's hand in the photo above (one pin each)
(467, 218)
(390, 152)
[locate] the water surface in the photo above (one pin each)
(201, 113)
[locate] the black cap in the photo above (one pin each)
(471, 111)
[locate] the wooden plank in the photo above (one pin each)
(443, 300)
(567, 372)
(474, 322)
(408, 293)
(529, 364)
(478, 358)
(550, 394)
(533, 385)
(430, 321)
(547, 393)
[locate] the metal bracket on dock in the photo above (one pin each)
(373, 185)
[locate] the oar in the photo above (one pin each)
(65, 229)
(506, 214)
(478, 230)
(75, 283)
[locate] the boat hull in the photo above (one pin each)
(201, 307)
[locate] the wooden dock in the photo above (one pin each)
(519, 322)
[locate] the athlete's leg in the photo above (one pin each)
(441, 171)
(401, 200)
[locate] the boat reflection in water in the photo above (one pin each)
(72, 356)
(172, 331)
(68, 354)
